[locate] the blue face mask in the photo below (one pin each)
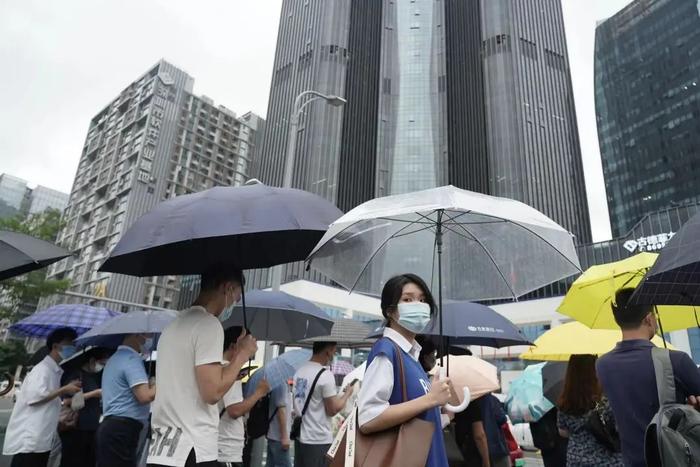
(147, 346)
(414, 316)
(67, 351)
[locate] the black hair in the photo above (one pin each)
(59, 335)
(628, 316)
(393, 289)
(231, 335)
(320, 346)
(215, 276)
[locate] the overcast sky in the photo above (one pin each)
(63, 61)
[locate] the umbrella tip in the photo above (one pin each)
(253, 181)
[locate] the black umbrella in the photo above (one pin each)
(675, 277)
(21, 253)
(553, 375)
(253, 226)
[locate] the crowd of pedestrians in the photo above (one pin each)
(108, 412)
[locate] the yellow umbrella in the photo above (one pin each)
(561, 342)
(590, 297)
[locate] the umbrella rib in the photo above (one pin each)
(375, 254)
(488, 253)
(403, 221)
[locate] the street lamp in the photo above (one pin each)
(299, 104)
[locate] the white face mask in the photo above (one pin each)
(99, 367)
(228, 310)
(414, 316)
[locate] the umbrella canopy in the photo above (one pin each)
(82, 318)
(347, 333)
(280, 370)
(496, 247)
(20, 253)
(574, 338)
(468, 323)
(280, 317)
(111, 333)
(253, 226)
(478, 375)
(526, 401)
(553, 376)
(590, 297)
(675, 277)
(342, 368)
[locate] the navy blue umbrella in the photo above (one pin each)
(280, 317)
(111, 333)
(468, 323)
(254, 226)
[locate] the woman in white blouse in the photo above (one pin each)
(407, 306)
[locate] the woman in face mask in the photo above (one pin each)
(78, 438)
(407, 306)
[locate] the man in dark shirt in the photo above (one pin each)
(471, 436)
(627, 376)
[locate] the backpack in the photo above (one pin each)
(673, 436)
(259, 418)
(545, 432)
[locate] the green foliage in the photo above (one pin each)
(24, 292)
(12, 353)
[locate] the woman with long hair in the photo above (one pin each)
(581, 394)
(407, 306)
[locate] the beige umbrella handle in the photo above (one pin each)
(467, 395)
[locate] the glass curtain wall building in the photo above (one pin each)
(647, 96)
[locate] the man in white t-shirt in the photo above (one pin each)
(316, 435)
(191, 379)
(234, 408)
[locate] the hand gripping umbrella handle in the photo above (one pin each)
(465, 402)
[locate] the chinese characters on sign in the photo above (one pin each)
(484, 329)
(650, 243)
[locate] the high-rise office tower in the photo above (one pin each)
(17, 198)
(476, 93)
(155, 140)
(647, 95)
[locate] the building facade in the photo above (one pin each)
(155, 140)
(469, 92)
(647, 96)
(17, 198)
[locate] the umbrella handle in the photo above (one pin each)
(461, 407)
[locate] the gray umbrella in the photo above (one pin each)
(111, 333)
(253, 226)
(20, 253)
(348, 333)
(280, 317)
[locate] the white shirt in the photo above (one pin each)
(181, 419)
(231, 430)
(31, 427)
(316, 424)
(378, 382)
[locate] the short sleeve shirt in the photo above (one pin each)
(124, 371)
(316, 424)
(465, 434)
(31, 427)
(181, 419)
(231, 430)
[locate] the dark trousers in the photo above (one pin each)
(192, 462)
(118, 441)
(311, 455)
(78, 448)
(31, 459)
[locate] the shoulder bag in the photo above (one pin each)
(406, 445)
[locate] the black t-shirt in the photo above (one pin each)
(88, 416)
(464, 432)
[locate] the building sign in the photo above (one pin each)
(650, 243)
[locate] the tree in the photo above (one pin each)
(24, 292)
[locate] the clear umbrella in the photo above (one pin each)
(496, 248)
